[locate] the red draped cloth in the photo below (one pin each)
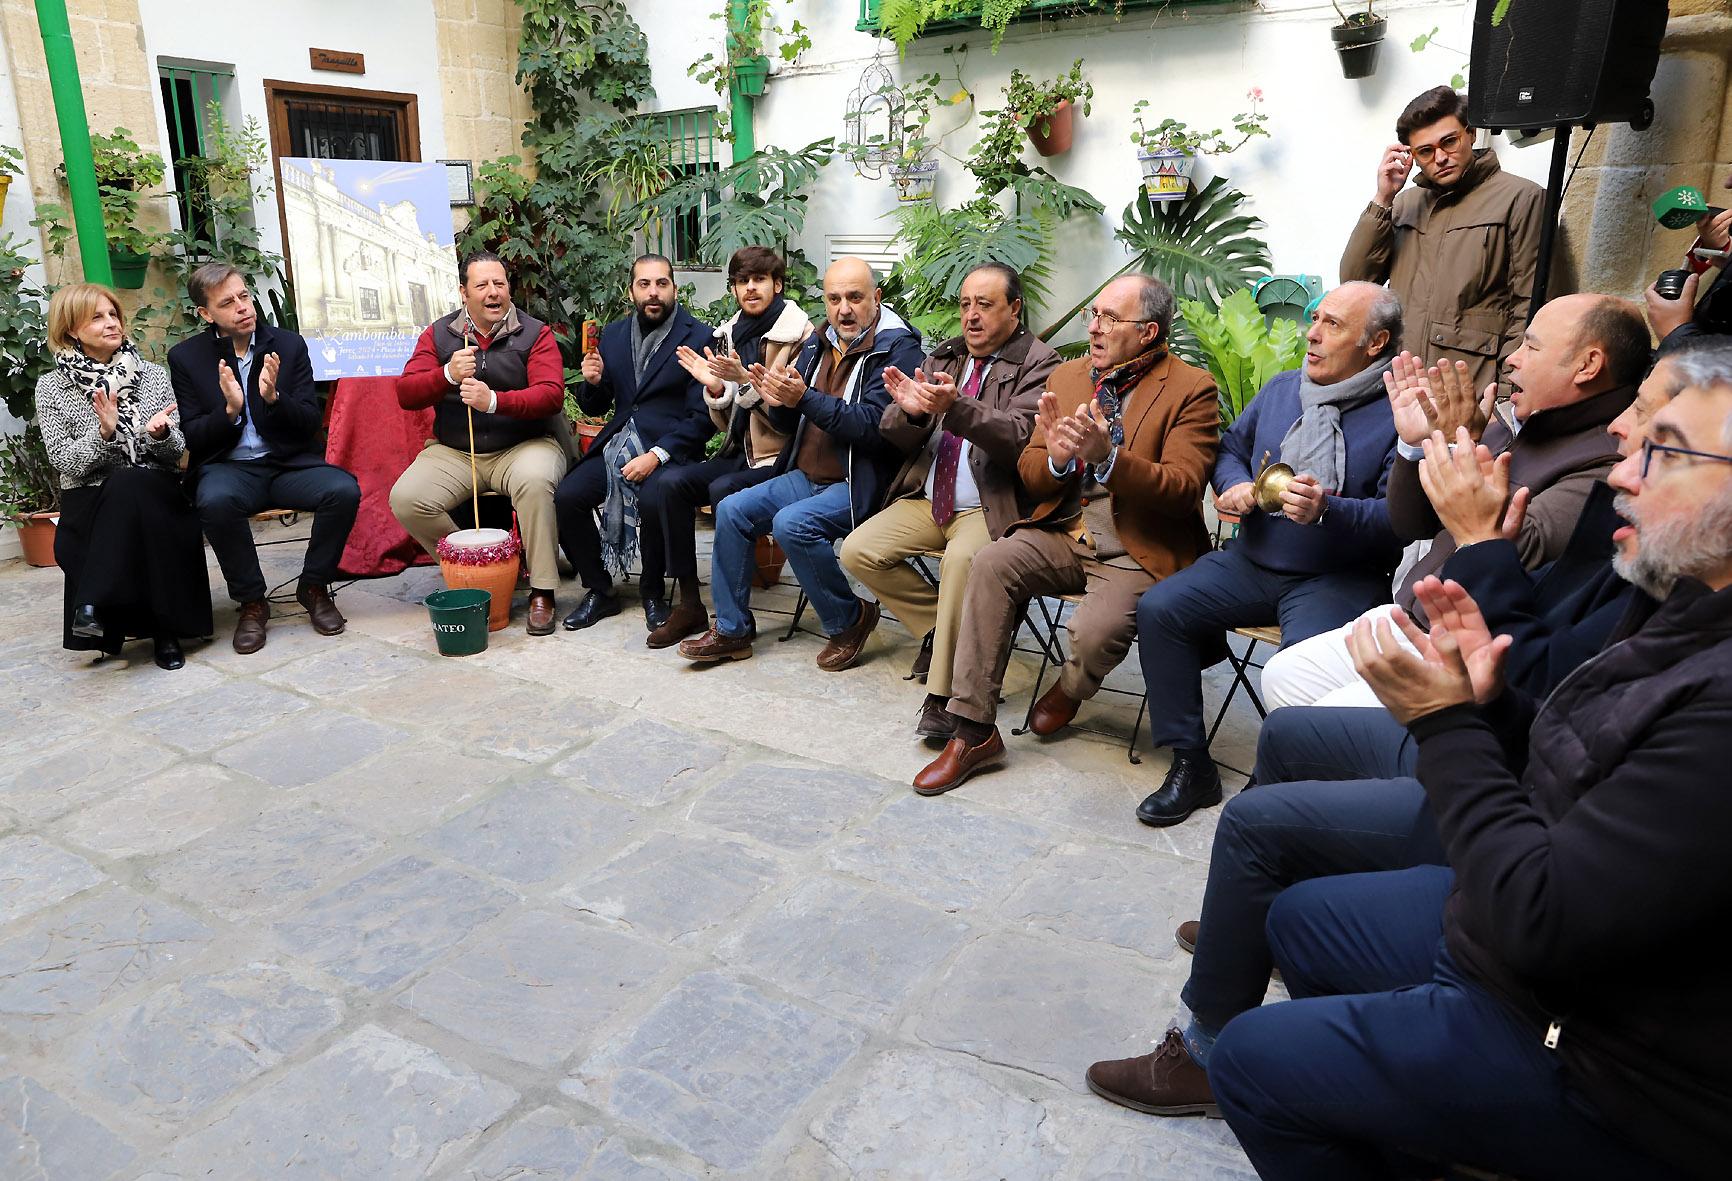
(376, 439)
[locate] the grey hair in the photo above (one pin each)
(1706, 367)
(1155, 302)
(1384, 315)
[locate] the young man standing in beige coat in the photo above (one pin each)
(1459, 249)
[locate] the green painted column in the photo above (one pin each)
(74, 139)
(739, 103)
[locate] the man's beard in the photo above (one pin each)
(1685, 546)
(650, 319)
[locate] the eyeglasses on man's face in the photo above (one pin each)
(1670, 458)
(1108, 321)
(1447, 145)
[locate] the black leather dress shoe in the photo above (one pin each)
(168, 654)
(1192, 782)
(85, 623)
(655, 612)
(595, 607)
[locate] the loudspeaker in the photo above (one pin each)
(1553, 62)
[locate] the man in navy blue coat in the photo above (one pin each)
(253, 430)
(659, 418)
(1323, 559)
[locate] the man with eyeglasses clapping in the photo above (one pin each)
(1459, 248)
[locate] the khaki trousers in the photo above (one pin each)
(1028, 564)
(438, 481)
(877, 554)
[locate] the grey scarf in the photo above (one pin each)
(619, 517)
(1315, 443)
(644, 344)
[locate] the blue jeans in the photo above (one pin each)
(1274, 837)
(1389, 1050)
(1181, 617)
(807, 521)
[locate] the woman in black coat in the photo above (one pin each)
(128, 540)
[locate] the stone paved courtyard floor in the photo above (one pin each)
(568, 908)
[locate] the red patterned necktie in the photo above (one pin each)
(950, 454)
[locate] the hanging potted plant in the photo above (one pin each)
(1357, 39)
(11, 165)
(1047, 110)
(1167, 153)
(123, 171)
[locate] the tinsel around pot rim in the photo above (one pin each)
(490, 553)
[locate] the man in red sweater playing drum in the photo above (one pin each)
(491, 359)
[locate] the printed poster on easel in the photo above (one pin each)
(372, 249)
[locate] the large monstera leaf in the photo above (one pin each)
(1201, 247)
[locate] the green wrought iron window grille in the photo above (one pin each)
(692, 147)
(967, 16)
(187, 97)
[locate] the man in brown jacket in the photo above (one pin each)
(1459, 249)
(1123, 441)
(963, 419)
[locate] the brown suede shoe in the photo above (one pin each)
(1053, 712)
(542, 608)
(922, 661)
(321, 608)
(935, 721)
(1185, 935)
(1167, 1082)
(956, 762)
(713, 646)
(250, 628)
(843, 650)
(687, 619)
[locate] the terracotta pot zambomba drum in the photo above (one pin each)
(486, 559)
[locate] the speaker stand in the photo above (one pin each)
(1549, 227)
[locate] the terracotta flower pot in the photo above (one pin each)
(36, 537)
(769, 557)
(586, 433)
(1060, 127)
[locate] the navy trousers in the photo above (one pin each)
(1275, 836)
(1181, 617)
(1311, 742)
(229, 493)
(1389, 1052)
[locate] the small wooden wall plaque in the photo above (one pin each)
(338, 61)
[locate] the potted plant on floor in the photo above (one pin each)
(29, 485)
(585, 426)
(1047, 110)
(1357, 39)
(1167, 153)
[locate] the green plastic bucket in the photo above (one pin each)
(460, 620)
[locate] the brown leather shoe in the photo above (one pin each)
(1185, 935)
(542, 608)
(1167, 1082)
(956, 762)
(687, 619)
(1053, 712)
(843, 650)
(321, 608)
(935, 721)
(713, 646)
(250, 628)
